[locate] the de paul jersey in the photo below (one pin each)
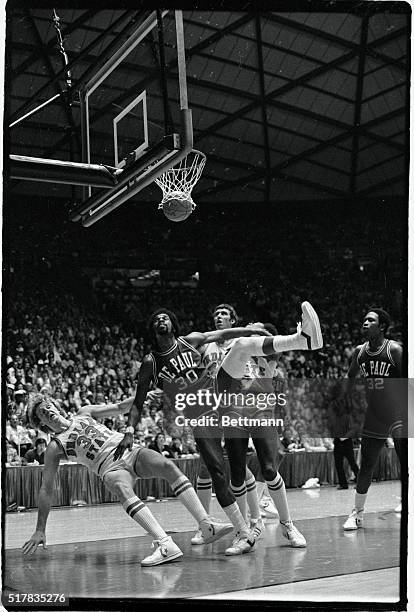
(383, 388)
(178, 368)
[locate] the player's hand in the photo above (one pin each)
(125, 444)
(31, 545)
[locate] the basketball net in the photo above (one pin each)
(177, 183)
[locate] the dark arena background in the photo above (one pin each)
(303, 116)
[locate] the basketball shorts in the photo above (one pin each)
(126, 462)
(382, 421)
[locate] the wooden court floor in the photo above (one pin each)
(94, 553)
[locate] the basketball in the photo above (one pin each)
(177, 210)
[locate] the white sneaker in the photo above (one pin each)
(240, 545)
(354, 521)
(197, 538)
(311, 328)
(212, 530)
(165, 550)
(292, 533)
(398, 508)
(256, 530)
(267, 508)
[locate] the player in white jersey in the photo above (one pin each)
(247, 372)
(83, 439)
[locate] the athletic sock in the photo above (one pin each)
(204, 490)
(277, 491)
(240, 495)
(252, 498)
(260, 489)
(144, 517)
(360, 499)
(236, 518)
(293, 342)
(184, 490)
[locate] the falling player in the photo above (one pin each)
(85, 440)
(377, 360)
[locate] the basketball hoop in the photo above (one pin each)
(177, 183)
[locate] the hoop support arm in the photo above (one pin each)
(57, 171)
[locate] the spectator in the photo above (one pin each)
(37, 454)
(12, 457)
(18, 436)
(176, 447)
(160, 447)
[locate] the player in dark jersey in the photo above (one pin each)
(82, 438)
(175, 366)
(225, 317)
(377, 360)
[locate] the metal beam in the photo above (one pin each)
(358, 103)
(282, 90)
(347, 44)
(276, 170)
(385, 183)
(235, 163)
(300, 81)
(265, 45)
(229, 62)
(383, 91)
(306, 182)
(265, 129)
(77, 57)
(65, 104)
(380, 163)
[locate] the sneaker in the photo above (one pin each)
(256, 530)
(310, 327)
(212, 530)
(166, 550)
(267, 508)
(398, 508)
(197, 538)
(240, 545)
(354, 521)
(292, 533)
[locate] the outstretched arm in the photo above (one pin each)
(219, 335)
(144, 380)
(100, 411)
(52, 457)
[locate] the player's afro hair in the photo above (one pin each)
(172, 317)
(271, 328)
(384, 319)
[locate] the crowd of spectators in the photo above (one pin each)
(83, 342)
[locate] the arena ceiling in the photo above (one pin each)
(286, 105)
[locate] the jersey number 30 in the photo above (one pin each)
(190, 378)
